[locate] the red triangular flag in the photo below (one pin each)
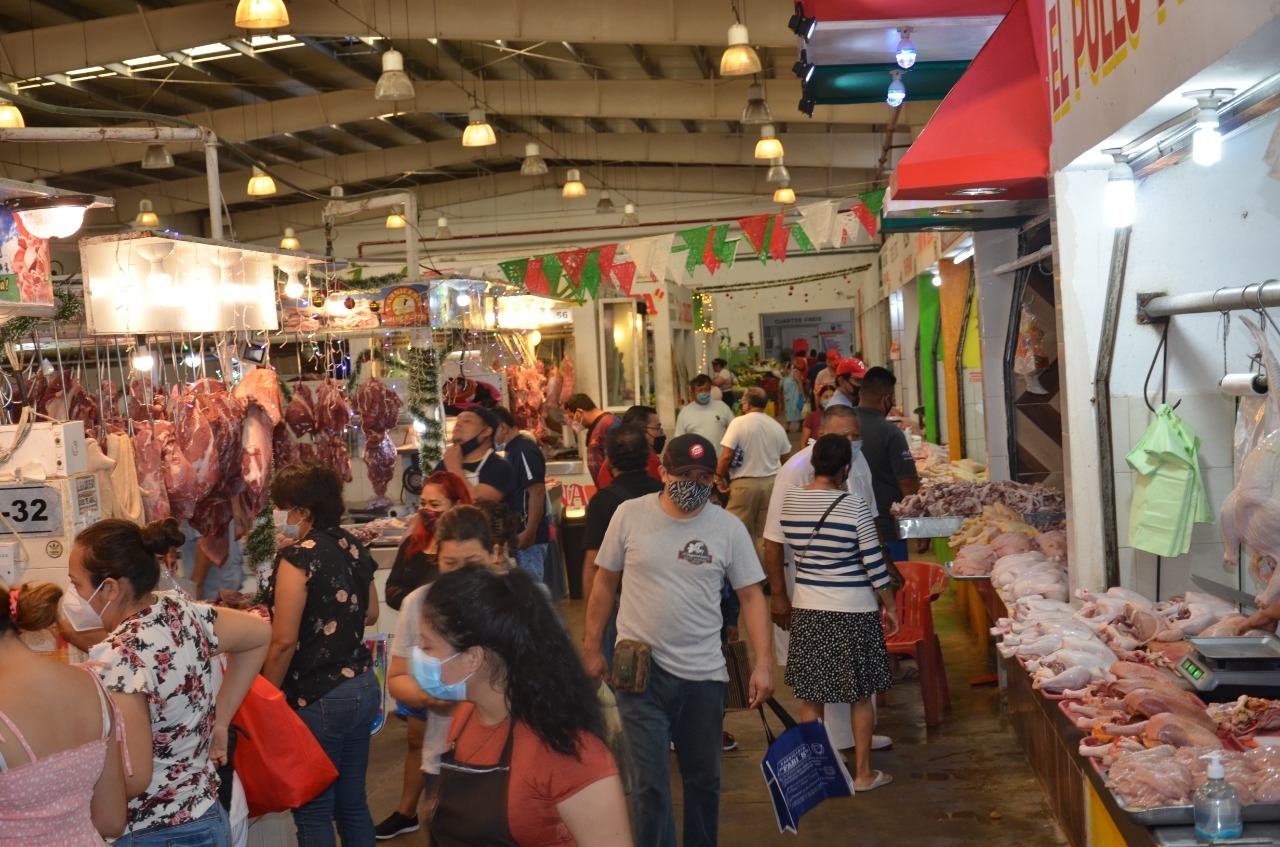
(534, 279)
(866, 218)
(710, 255)
(755, 228)
(624, 275)
(778, 240)
(573, 261)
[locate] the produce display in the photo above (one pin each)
(946, 499)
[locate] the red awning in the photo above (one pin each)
(993, 129)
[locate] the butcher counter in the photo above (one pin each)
(1086, 810)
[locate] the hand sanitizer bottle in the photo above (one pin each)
(1216, 804)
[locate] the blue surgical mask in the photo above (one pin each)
(280, 518)
(426, 672)
(703, 397)
(857, 446)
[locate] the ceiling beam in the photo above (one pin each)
(56, 49)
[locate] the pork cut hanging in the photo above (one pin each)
(212, 516)
(379, 408)
(149, 463)
(301, 411)
(260, 393)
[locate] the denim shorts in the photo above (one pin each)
(212, 829)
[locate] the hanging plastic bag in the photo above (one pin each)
(1032, 356)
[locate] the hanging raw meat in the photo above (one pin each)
(566, 386)
(213, 514)
(332, 450)
(301, 411)
(378, 405)
(261, 386)
(195, 437)
(146, 402)
(124, 478)
(307, 452)
(82, 406)
(260, 391)
(148, 461)
(333, 412)
(1251, 513)
(180, 476)
(380, 463)
(283, 449)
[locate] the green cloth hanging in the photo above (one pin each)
(1168, 492)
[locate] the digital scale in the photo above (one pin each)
(1250, 663)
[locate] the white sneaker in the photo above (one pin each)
(881, 742)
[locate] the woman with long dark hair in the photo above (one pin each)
(527, 762)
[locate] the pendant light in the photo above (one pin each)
(394, 83)
(156, 157)
(757, 110)
(905, 55)
(740, 58)
(784, 193)
(533, 164)
(573, 187)
(395, 220)
(10, 116)
(605, 206)
(261, 14)
(51, 217)
(290, 240)
(442, 228)
(629, 216)
(142, 360)
(478, 132)
(1120, 197)
(768, 147)
(897, 92)
(147, 218)
(1206, 141)
(260, 184)
(777, 172)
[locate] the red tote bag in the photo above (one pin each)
(278, 760)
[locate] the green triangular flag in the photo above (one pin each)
(514, 270)
(695, 241)
(802, 238)
(551, 270)
(874, 200)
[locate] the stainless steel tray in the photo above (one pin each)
(929, 527)
(1237, 647)
(1042, 519)
(1181, 815)
(962, 578)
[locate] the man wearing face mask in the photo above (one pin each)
(704, 416)
(849, 376)
(471, 456)
(893, 470)
(645, 419)
(677, 550)
(797, 473)
(597, 423)
(751, 453)
(530, 492)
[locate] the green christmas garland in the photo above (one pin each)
(424, 402)
(260, 549)
(69, 307)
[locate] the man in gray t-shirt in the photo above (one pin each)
(678, 551)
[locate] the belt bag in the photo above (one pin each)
(631, 660)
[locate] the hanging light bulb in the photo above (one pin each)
(1120, 197)
(897, 91)
(10, 116)
(629, 216)
(937, 279)
(393, 82)
(533, 164)
(906, 52)
(51, 217)
(1206, 141)
(768, 147)
(740, 58)
(478, 132)
(290, 240)
(260, 184)
(293, 289)
(261, 14)
(395, 220)
(464, 299)
(142, 360)
(777, 172)
(147, 218)
(784, 193)
(605, 206)
(757, 110)
(535, 338)
(335, 191)
(156, 157)
(573, 187)
(442, 228)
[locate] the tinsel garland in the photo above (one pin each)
(424, 402)
(260, 549)
(69, 307)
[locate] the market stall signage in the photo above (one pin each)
(576, 495)
(25, 275)
(31, 510)
(404, 305)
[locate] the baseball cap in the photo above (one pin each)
(489, 418)
(833, 354)
(853, 367)
(689, 452)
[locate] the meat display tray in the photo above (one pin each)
(929, 527)
(1237, 647)
(1042, 519)
(1184, 815)
(962, 577)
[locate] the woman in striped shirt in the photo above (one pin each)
(837, 652)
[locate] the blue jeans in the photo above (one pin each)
(691, 715)
(212, 829)
(532, 558)
(610, 637)
(341, 721)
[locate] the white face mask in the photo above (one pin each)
(281, 519)
(79, 613)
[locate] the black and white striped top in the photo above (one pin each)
(839, 566)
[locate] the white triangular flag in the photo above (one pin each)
(815, 218)
(650, 255)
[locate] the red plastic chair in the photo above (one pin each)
(916, 637)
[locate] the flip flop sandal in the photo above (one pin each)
(881, 779)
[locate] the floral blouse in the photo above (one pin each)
(166, 652)
(331, 646)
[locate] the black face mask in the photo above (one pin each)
(469, 445)
(659, 443)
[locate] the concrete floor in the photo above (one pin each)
(965, 782)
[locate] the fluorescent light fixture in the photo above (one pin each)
(478, 132)
(147, 218)
(533, 164)
(784, 193)
(757, 110)
(290, 240)
(629, 216)
(156, 157)
(906, 52)
(261, 14)
(964, 255)
(978, 191)
(605, 206)
(260, 184)
(51, 217)
(573, 187)
(768, 147)
(897, 92)
(740, 58)
(1120, 197)
(393, 83)
(442, 228)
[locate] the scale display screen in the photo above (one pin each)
(31, 510)
(1192, 670)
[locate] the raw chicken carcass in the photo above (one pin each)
(1180, 731)
(1053, 544)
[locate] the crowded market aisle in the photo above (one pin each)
(965, 782)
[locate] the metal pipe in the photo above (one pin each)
(1102, 404)
(1023, 261)
(1257, 296)
(215, 185)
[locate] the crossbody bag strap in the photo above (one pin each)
(822, 520)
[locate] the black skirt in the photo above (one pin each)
(837, 657)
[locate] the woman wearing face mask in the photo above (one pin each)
(813, 421)
(415, 565)
(322, 597)
(464, 538)
(61, 775)
(526, 763)
(646, 419)
(157, 659)
(837, 652)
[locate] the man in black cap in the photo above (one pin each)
(677, 551)
(470, 455)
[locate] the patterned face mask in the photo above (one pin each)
(688, 495)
